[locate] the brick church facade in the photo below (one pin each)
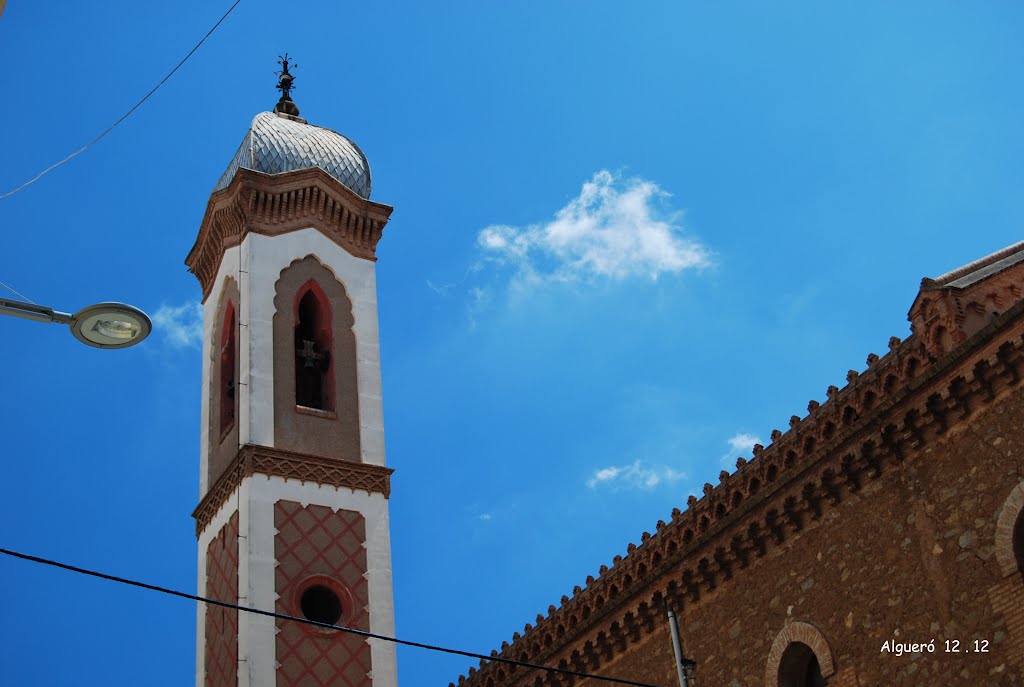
(888, 516)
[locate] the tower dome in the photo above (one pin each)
(278, 142)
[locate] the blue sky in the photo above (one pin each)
(627, 242)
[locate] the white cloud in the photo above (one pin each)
(743, 442)
(615, 228)
(635, 476)
(486, 516)
(740, 442)
(181, 326)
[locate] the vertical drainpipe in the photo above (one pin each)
(673, 625)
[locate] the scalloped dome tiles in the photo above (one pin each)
(276, 144)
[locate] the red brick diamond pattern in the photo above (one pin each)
(222, 623)
(315, 540)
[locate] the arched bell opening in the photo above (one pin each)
(313, 349)
(224, 381)
(315, 363)
(228, 373)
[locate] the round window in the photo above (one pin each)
(321, 604)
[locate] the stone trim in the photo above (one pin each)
(263, 460)
(273, 204)
(805, 634)
(1008, 514)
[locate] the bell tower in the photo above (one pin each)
(293, 509)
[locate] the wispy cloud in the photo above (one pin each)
(615, 228)
(439, 289)
(181, 326)
(739, 443)
(633, 476)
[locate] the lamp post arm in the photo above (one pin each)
(31, 311)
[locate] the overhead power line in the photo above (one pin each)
(19, 295)
(282, 616)
(129, 112)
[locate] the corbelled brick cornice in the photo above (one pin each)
(262, 460)
(273, 204)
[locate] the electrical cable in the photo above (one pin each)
(326, 626)
(19, 295)
(126, 114)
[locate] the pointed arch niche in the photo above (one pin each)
(316, 399)
(224, 373)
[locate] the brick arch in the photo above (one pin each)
(805, 634)
(1008, 514)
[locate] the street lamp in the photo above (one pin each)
(104, 325)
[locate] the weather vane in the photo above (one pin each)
(285, 84)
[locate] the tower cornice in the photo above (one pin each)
(273, 204)
(263, 460)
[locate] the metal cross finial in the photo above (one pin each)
(285, 84)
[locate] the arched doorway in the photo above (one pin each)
(799, 667)
(1018, 542)
(800, 657)
(1009, 535)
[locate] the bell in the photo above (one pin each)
(308, 353)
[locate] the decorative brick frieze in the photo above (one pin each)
(273, 204)
(887, 415)
(218, 494)
(252, 460)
